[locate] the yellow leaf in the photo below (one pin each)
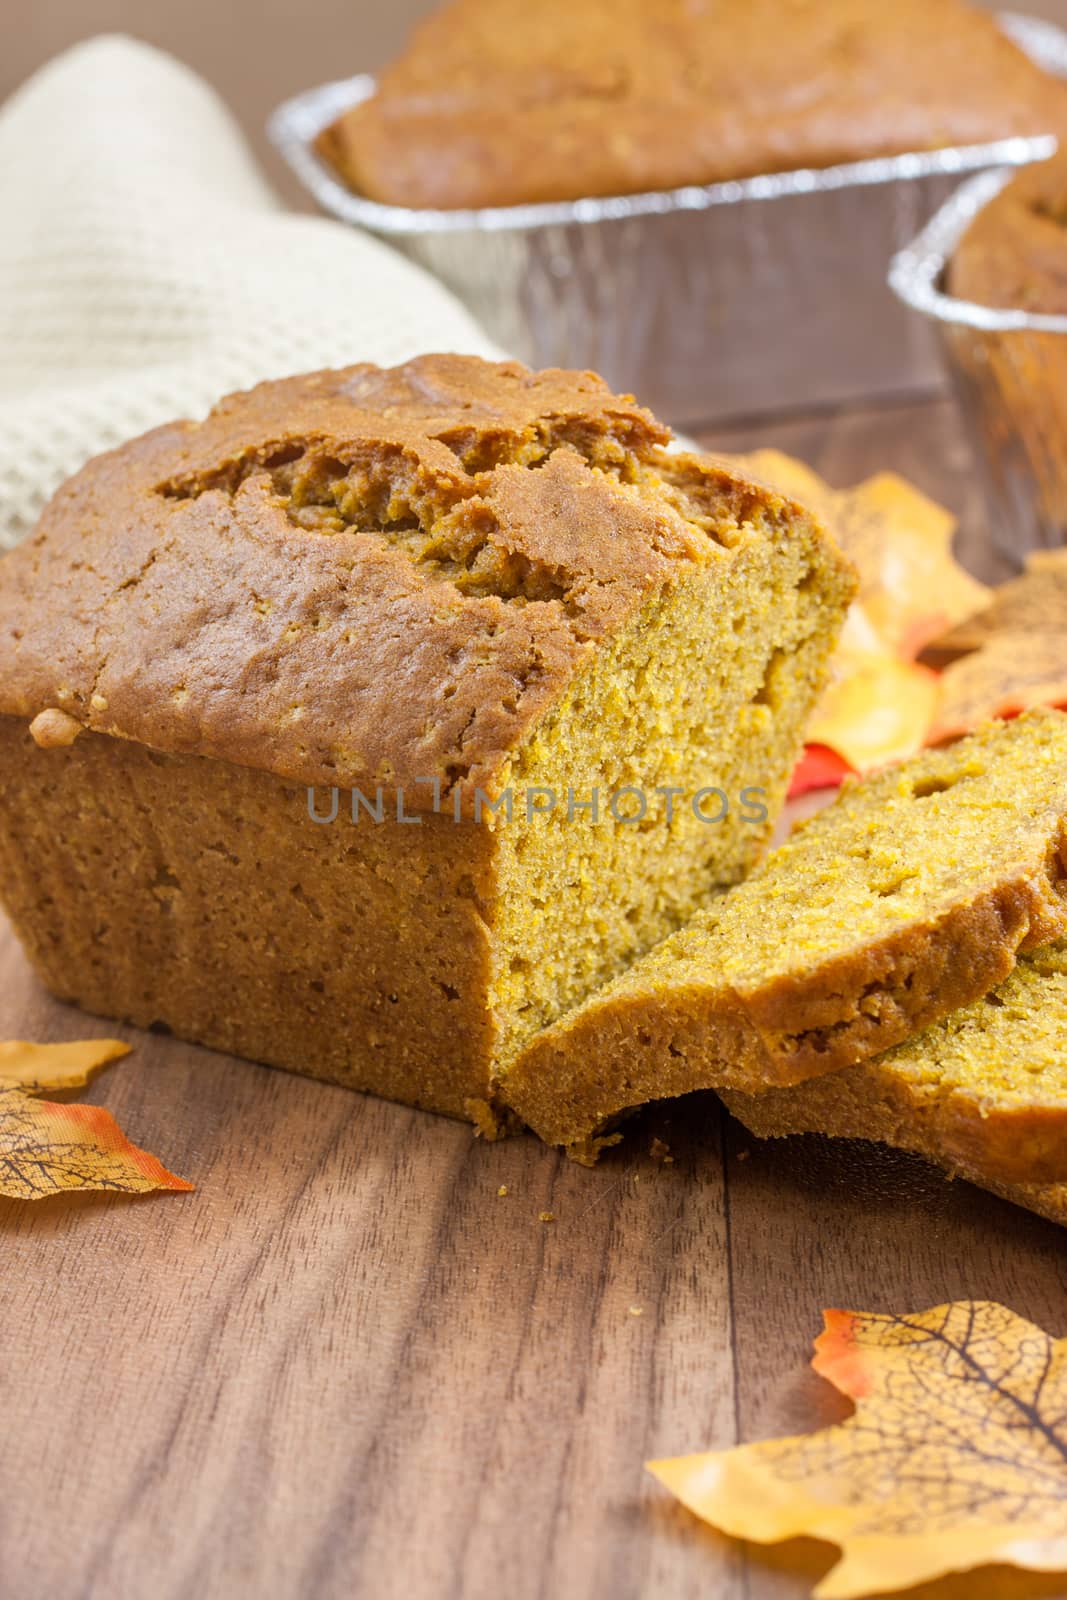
(876, 709)
(47, 1149)
(955, 1456)
(37, 1068)
(901, 541)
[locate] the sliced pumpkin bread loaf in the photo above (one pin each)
(984, 1090)
(306, 708)
(907, 898)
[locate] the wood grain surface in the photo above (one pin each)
(348, 1366)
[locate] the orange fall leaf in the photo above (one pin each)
(955, 1456)
(877, 709)
(48, 1149)
(1007, 675)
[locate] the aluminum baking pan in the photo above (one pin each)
(1009, 369)
(709, 302)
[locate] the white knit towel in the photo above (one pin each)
(146, 268)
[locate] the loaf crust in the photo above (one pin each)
(489, 106)
(354, 578)
(197, 896)
(689, 1016)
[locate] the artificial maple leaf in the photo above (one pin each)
(819, 767)
(1033, 603)
(877, 706)
(38, 1068)
(47, 1149)
(1007, 675)
(955, 1456)
(1008, 656)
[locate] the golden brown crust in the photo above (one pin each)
(1014, 254)
(982, 1092)
(490, 106)
(358, 578)
(873, 997)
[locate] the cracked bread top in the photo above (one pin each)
(362, 577)
(493, 105)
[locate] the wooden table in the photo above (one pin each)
(347, 1365)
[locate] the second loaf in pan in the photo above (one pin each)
(494, 105)
(1014, 254)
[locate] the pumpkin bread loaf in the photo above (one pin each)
(316, 716)
(906, 898)
(494, 105)
(985, 1089)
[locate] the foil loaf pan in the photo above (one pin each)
(727, 300)
(1009, 370)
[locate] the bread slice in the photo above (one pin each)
(908, 897)
(984, 1090)
(1048, 1200)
